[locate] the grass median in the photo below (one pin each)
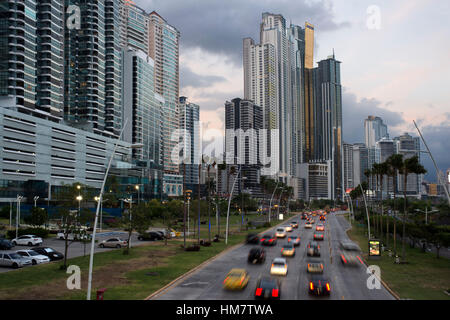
(135, 276)
(424, 277)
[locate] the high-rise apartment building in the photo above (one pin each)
(85, 78)
(134, 23)
(31, 63)
(348, 166)
(243, 122)
(374, 130)
(190, 125)
(360, 163)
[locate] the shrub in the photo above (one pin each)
(39, 232)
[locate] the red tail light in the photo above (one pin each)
(345, 261)
(311, 286)
(270, 240)
(328, 287)
(240, 283)
(258, 292)
(360, 260)
(274, 292)
(262, 239)
(224, 281)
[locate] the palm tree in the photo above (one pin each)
(394, 162)
(410, 166)
(383, 170)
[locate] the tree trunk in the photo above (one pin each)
(395, 217)
(404, 217)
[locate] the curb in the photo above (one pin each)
(173, 282)
(395, 295)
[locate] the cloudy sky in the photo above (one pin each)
(394, 54)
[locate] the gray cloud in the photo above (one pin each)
(219, 26)
(354, 112)
(437, 138)
(189, 78)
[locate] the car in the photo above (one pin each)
(314, 266)
(256, 255)
(319, 286)
(308, 225)
(236, 279)
(295, 240)
(36, 258)
(5, 244)
(288, 228)
(150, 236)
(13, 260)
(320, 227)
(288, 250)
(322, 218)
(313, 249)
(268, 239)
(252, 238)
(27, 240)
(49, 252)
(350, 253)
(318, 236)
(280, 232)
(268, 288)
(279, 267)
(294, 224)
(113, 243)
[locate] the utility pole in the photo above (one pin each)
(199, 198)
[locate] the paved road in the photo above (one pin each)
(76, 248)
(346, 283)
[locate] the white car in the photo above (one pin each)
(33, 256)
(288, 228)
(280, 233)
(279, 267)
(308, 225)
(27, 240)
(14, 260)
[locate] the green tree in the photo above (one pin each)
(394, 163)
(138, 218)
(38, 216)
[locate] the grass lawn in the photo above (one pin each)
(424, 277)
(135, 276)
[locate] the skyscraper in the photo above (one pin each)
(163, 48)
(189, 123)
(374, 130)
(28, 34)
(84, 87)
(328, 119)
(243, 121)
(348, 166)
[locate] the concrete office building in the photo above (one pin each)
(40, 156)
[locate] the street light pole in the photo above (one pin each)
(229, 203)
(367, 212)
(19, 198)
(35, 199)
(91, 255)
(270, 204)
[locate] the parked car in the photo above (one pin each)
(36, 258)
(152, 235)
(27, 240)
(13, 260)
(113, 243)
(5, 244)
(49, 252)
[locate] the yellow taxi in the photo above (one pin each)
(237, 279)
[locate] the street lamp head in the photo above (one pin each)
(78, 187)
(79, 198)
(137, 187)
(96, 198)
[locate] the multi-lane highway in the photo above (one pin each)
(349, 283)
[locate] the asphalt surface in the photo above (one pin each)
(349, 283)
(76, 248)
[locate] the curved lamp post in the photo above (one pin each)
(91, 255)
